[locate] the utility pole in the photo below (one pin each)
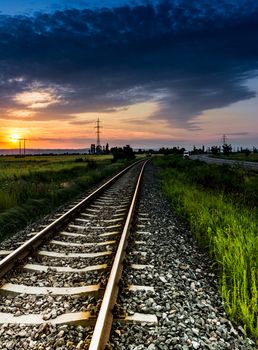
(98, 146)
(22, 149)
(224, 139)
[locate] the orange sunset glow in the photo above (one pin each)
(149, 88)
(14, 137)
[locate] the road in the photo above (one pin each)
(208, 159)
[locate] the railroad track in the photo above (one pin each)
(61, 285)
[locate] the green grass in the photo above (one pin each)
(12, 167)
(252, 157)
(33, 186)
(222, 222)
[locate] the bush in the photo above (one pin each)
(122, 153)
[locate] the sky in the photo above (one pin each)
(156, 73)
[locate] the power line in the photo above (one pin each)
(22, 149)
(98, 132)
(224, 139)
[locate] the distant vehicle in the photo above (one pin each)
(186, 154)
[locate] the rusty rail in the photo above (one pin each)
(104, 321)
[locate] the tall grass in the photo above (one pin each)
(224, 225)
(36, 190)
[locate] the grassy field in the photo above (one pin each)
(252, 157)
(33, 186)
(220, 205)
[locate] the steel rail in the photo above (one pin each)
(21, 252)
(105, 317)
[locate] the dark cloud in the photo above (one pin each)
(68, 140)
(187, 56)
(244, 133)
(138, 121)
(83, 122)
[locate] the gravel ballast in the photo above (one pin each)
(186, 300)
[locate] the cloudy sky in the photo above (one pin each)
(156, 73)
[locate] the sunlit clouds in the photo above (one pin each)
(36, 99)
(155, 73)
(20, 114)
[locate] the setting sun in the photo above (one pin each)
(14, 137)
